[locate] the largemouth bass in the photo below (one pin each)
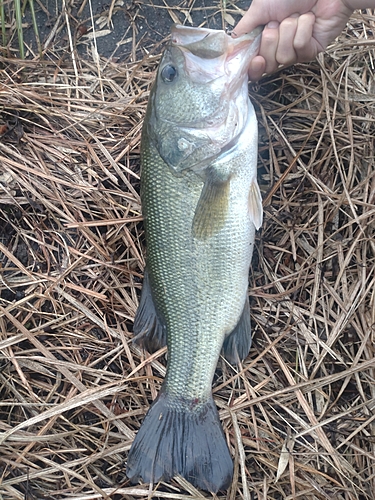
(201, 206)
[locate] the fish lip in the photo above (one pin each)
(180, 32)
(245, 39)
(252, 35)
(184, 35)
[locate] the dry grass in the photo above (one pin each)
(300, 414)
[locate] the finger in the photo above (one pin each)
(256, 68)
(268, 46)
(285, 53)
(304, 46)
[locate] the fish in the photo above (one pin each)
(201, 206)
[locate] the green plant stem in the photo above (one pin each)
(3, 33)
(35, 26)
(17, 5)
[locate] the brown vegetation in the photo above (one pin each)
(300, 413)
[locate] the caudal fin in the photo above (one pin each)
(181, 439)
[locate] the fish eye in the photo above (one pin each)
(168, 73)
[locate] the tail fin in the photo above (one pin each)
(181, 439)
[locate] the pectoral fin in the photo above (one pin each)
(237, 344)
(255, 205)
(212, 209)
(149, 332)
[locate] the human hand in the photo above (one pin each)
(295, 30)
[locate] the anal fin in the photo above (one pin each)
(237, 344)
(149, 332)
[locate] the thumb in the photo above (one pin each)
(252, 18)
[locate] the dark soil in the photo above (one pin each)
(120, 26)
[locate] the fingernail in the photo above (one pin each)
(233, 34)
(273, 25)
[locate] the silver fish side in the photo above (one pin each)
(201, 206)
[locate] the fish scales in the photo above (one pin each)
(200, 214)
(200, 286)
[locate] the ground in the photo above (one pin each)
(121, 23)
(298, 415)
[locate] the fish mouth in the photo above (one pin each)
(208, 43)
(214, 53)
